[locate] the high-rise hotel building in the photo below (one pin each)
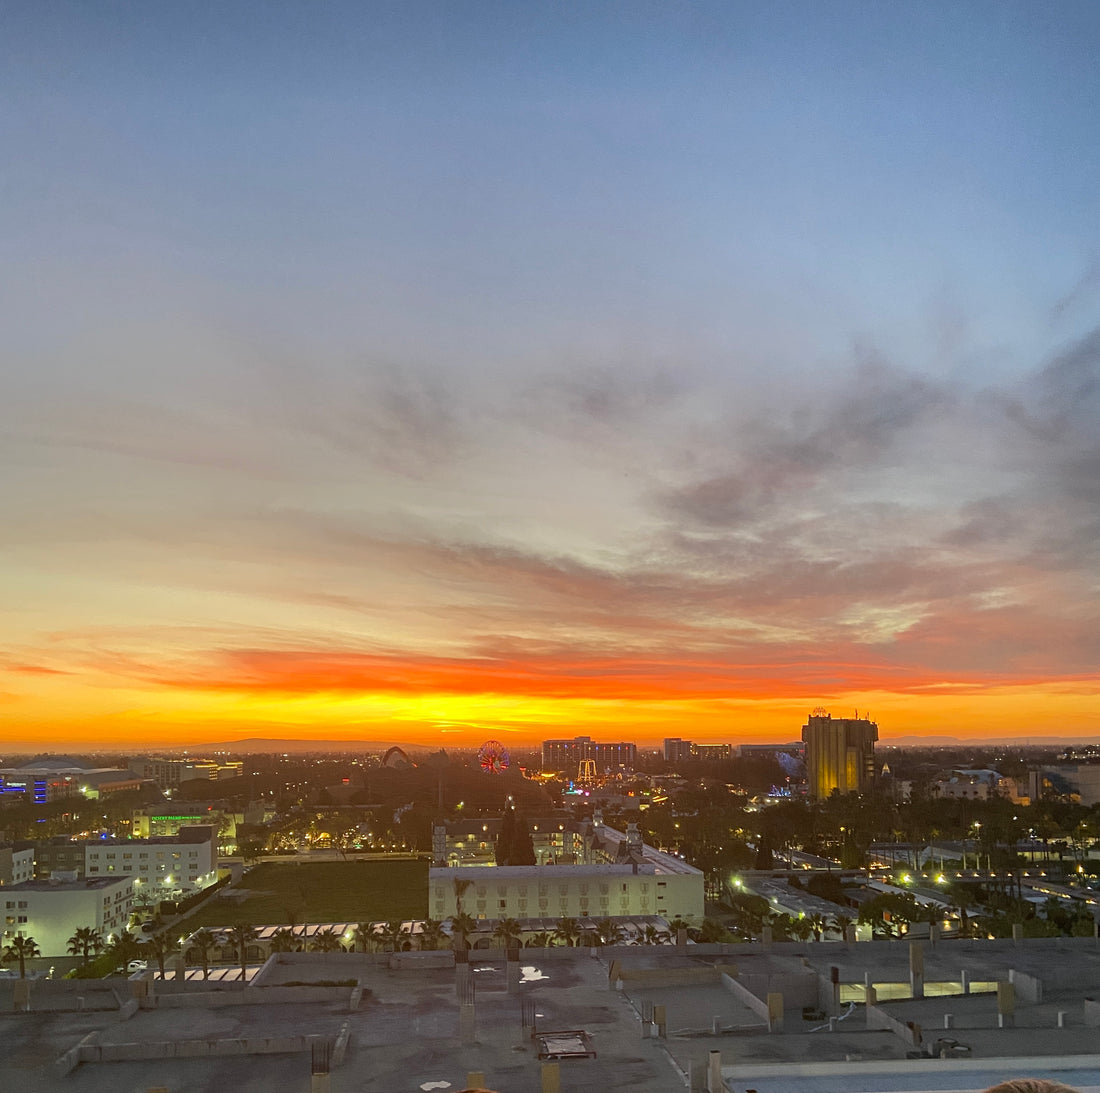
(840, 754)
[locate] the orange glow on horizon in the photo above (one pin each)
(439, 701)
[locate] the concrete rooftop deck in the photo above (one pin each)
(406, 1034)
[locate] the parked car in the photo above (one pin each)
(137, 965)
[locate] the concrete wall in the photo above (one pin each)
(1029, 988)
(879, 1018)
(337, 965)
(667, 977)
(798, 988)
(253, 996)
(192, 1049)
(743, 995)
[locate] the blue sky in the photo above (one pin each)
(305, 303)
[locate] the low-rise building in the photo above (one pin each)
(165, 867)
(16, 864)
(974, 785)
(169, 774)
(676, 750)
(52, 911)
(625, 877)
(1073, 781)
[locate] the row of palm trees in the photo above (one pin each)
(88, 943)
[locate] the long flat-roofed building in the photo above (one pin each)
(628, 878)
(568, 755)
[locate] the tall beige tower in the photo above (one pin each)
(840, 753)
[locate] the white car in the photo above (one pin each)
(137, 966)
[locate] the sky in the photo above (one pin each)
(437, 372)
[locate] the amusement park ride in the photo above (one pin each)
(493, 757)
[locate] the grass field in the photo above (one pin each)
(330, 891)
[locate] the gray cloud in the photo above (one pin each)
(776, 459)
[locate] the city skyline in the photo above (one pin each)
(397, 372)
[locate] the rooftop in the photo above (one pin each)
(405, 1031)
(68, 885)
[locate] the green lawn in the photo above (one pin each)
(331, 891)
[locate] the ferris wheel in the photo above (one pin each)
(493, 757)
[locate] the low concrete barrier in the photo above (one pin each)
(879, 1018)
(640, 978)
(429, 958)
(340, 1045)
(1029, 988)
(759, 1006)
(193, 1049)
(253, 996)
(798, 988)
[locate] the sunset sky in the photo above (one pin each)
(443, 371)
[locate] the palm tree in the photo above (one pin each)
(675, 926)
(392, 934)
(241, 935)
(204, 941)
(652, 936)
(21, 949)
(713, 932)
(160, 945)
(86, 941)
(817, 925)
(841, 923)
(123, 949)
(431, 932)
(801, 928)
(284, 941)
(463, 925)
(782, 927)
(609, 932)
(541, 940)
(325, 941)
(567, 930)
(962, 899)
(507, 932)
(364, 935)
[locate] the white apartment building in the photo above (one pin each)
(16, 865)
(565, 891)
(52, 911)
(163, 868)
(626, 878)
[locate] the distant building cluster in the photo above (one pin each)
(50, 778)
(56, 778)
(169, 774)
